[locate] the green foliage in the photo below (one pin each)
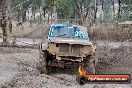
(19, 7)
(126, 12)
(1, 2)
(107, 17)
(64, 8)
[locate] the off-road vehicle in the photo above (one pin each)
(67, 45)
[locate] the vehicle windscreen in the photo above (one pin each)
(67, 32)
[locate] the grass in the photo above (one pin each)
(111, 34)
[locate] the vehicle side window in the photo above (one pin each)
(78, 33)
(49, 32)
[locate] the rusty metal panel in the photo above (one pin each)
(52, 48)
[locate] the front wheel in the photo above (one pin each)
(81, 80)
(89, 65)
(43, 63)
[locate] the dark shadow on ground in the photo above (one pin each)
(65, 70)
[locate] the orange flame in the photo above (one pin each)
(81, 71)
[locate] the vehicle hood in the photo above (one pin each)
(70, 41)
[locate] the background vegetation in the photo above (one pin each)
(84, 12)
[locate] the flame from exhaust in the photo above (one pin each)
(81, 71)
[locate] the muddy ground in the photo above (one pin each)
(18, 67)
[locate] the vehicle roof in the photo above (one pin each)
(58, 25)
(82, 28)
(64, 25)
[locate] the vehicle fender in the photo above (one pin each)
(93, 49)
(43, 46)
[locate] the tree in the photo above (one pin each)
(86, 10)
(125, 10)
(20, 7)
(64, 9)
(119, 4)
(113, 5)
(50, 4)
(5, 21)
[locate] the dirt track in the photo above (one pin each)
(18, 68)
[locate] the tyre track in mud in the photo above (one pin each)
(27, 72)
(40, 79)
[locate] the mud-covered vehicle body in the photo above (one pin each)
(67, 45)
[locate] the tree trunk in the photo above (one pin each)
(9, 16)
(4, 21)
(95, 12)
(102, 11)
(51, 14)
(78, 12)
(24, 16)
(95, 9)
(119, 4)
(10, 25)
(113, 7)
(44, 9)
(33, 11)
(48, 17)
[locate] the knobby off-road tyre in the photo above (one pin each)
(43, 63)
(90, 65)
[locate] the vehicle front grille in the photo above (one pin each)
(64, 48)
(75, 49)
(67, 49)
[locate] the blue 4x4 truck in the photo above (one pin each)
(67, 45)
